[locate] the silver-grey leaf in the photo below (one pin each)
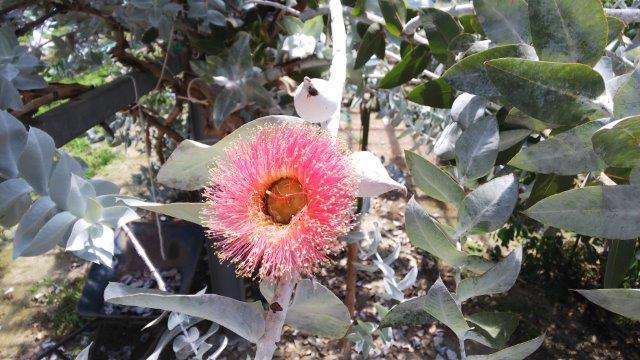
(441, 305)
(36, 160)
(13, 139)
(33, 220)
(14, 201)
(245, 319)
(610, 212)
(489, 206)
(625, 302)
(515, 352)
(498, 279)
(477, 149)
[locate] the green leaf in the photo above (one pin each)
(625, 302)
(440, 304)
(244, 319)
(626, 101)
(462, 43)
(610, 212)
(496, 280)
(395, 14)
(617, 142)
(471, 24)
(568, 31)
(470, 75)
(496, 327)
(436, 93)
(517, 118)
(567, 153)
(188, 166)
(516, 352)
(440, 28)
(433, 181)
(424, 233)
(477, 149)
(504, 21)
(621, 255)
(372, 44)
(409, 67)
(489, 206)
(509, 138)
(558, 93)
(316, 310)
(616, 26)
(409, 313)
(546, 185)
(185, 211)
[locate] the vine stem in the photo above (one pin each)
(274, 320)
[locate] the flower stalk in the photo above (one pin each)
(276, 314)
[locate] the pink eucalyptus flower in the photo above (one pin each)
(280, 200)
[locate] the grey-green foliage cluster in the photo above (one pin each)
(47, 196)
(559, 72)
(17, 70)
(239, 79)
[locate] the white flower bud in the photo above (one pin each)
(315, 100)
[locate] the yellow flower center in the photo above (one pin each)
(284, 199)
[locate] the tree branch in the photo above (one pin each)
(51, 93)
(37, 22)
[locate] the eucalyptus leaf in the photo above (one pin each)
(186, 211)
(622, 254)
(567, 153)
(444, 147)
(426, 235)
(433, 181)
(409, 313)
(470, 75)
(626, 101)
(477, 149)
(13, 139)
(33, 220)
(568, 31)
(435, 93)
(498, 279)
(511, 138)
(410, 66)
(36, 160)
(515, 352)
(496, 327)
(504, 21)
(489, 206)
(52, 232)
(316, 310)
(609, 212)
(625, 302)
(558, 93)
(188, 166)
(617, 142)
(244, 319)
(227, 101)
(616, 26)
(441, 29)
(14, 201)
(395, 14)
(440, 304)
(518, 119)
(373, 43)
(468, 108)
